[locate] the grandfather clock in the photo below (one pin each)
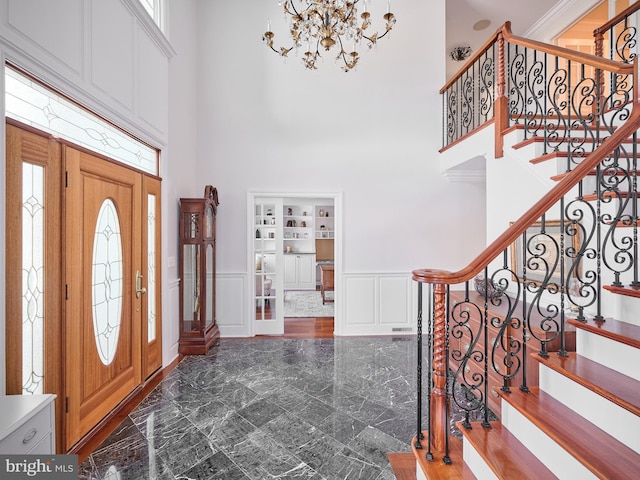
(198, 328)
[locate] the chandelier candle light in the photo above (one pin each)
(315, 23)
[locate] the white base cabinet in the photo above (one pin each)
(27, 424)
(300, 271)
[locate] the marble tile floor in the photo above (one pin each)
(271, 408)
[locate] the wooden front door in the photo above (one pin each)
(82, 235)
(103, 232)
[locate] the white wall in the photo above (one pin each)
(180, 179)
(373, 134)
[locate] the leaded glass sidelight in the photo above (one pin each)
(32, 278)
(107, 281)
(151, 268)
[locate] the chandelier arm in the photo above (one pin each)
(353, 7)
(293, 7)
(348, 65)
(383, 35)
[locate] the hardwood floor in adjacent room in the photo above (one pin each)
(308, 327)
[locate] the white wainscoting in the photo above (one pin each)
(171, 322)
(232, 313)
(377, 304)
(370, 304)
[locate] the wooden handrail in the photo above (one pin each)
(546, 202)
(566, 53)
(574, 55)
(617, 19)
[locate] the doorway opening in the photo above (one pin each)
(294, 246)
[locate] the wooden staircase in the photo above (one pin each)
(582, 421)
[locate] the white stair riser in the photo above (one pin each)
(615, 355)
(628, 308)
(476, 463)
(613, 419)
(558, 460)
(420, 475)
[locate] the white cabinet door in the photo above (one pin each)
(290, 271)
(299, 271)
(306, 271)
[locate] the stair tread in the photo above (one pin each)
(565, 141)
(548, 156)
(594, 172)
(503, 452)
(622, 332)
(627, 291)
(403, 465)
(595, 449)
(437, 469)
(612, 385)
(612, 195)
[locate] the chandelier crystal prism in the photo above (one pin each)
(328, 23)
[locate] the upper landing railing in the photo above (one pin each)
(553, 262)
(513, 81)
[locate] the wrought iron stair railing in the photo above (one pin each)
(579, 236)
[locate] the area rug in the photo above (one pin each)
(302, 304)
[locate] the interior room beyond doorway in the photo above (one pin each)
(294, 251)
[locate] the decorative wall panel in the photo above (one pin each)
(151, 86)
(232, 315)
(113, 65)
(377, 304)
(63, 16)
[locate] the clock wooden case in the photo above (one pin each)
(198, 327)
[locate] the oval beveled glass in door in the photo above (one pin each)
(107, 281)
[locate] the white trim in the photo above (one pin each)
(465, 176)
(337, 246)
(155, 31)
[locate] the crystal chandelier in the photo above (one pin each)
(315, 23)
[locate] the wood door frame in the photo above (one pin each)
(42, 149)
(46, 150)
(152, 351)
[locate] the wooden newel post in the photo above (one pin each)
(500, 108)
(438, 406)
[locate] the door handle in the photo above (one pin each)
(139, 288)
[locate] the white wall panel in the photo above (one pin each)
(394, 300)
(377, 304)
(112, 51)
(171, 323)
(359, 301)
(151, 87)
(231, 314)
(55, 31)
